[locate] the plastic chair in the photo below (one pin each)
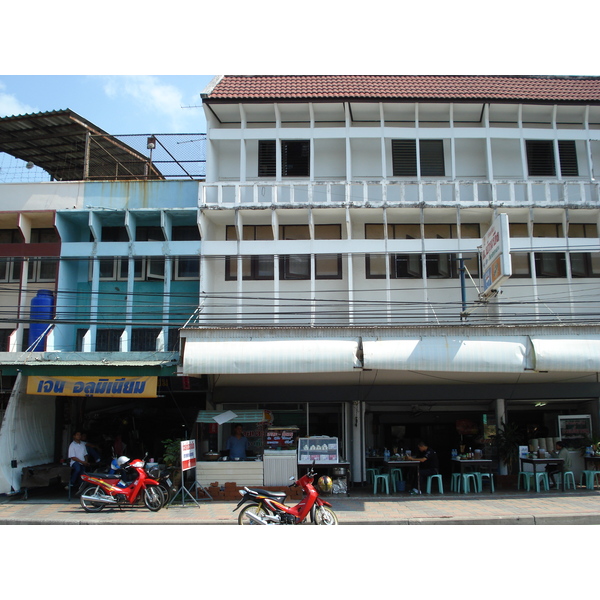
(541, 478)
(385, 480)
(525, 476)
(371, 475)
(437, 478)
(396, 475)
(568, 480)
(480, 477)
(590, 478)
(455, 482)
(466, 482)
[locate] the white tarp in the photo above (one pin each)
(567, 353)
(474, 355)
(26, 435)
(270, 356)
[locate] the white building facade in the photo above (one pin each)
(335, 217)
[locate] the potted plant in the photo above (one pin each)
(172, 458)
(508, 438)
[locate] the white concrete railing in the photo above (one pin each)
(367, 192)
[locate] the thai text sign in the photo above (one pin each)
(495, 254)
(188, 455)
(101, 387)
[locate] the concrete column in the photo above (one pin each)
(358, 442)
(500, 420)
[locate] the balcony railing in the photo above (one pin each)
(366, 193)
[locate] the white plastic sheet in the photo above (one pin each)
(26, 435)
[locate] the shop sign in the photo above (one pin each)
(495, 255)
(100, 387)
(188, 454)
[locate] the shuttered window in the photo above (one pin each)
(431, 158)
(540, 158)
(266, 158)
(568, 158)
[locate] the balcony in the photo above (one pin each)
(468, 193)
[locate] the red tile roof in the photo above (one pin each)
(406, 87)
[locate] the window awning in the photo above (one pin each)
(475, 355)
(567, 353)
(270, 356)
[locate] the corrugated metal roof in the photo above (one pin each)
(56, 142)
(405, 87)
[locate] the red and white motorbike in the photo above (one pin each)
(128, 488)
(268, 508)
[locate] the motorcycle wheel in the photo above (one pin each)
(244, 519)
(154, 498)
(166, 493)
(325, 516)
(88, 505)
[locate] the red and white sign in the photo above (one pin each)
(188, 454)
(495, 255)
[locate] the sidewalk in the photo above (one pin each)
(581, 507)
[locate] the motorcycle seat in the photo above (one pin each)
(275, 495)
(105, 475)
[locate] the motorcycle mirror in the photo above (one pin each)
(292, 478)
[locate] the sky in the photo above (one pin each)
(117, 104)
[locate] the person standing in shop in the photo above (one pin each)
(237, 444)
(78, 457)
(429, 464)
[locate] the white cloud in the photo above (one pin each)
(152, 96)
(10, 105)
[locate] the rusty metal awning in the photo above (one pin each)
(70, 148)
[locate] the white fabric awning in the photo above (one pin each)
(270, 356)
(567, 353)
(475, 355)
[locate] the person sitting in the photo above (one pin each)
(429, 464)
(554, 468)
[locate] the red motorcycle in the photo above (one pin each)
(126, 488)
(268, 508)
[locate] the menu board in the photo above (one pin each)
(318, 449)
(280, 439)
(575, 427)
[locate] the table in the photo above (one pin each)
(542, 461)
(400, 464)
(42, 475)
(482, 464)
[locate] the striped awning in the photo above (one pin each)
(270, 356)
(474, 355)
(567, 353)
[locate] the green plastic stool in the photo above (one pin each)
(455, 482)
(371, 475)
(480, 477)
(541, 478)
(568, 480)
(437, 478)
(526, 477)
(385, 479)
(466, 482)
(396, 475)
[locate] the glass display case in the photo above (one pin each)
(320, 449)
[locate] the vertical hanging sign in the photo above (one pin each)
(495, 255)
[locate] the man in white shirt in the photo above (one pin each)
(78, 458)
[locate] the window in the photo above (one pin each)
(295, 158)
(143, 339)
(185, 233)
(550, 264)
(42, 269)
(585, 264)
(259, 267)
(540, 158)
(583, 230)
(295, 155)
(520, 264)
(10, 269)
(108, 340)
(431, 158)
(187, 267)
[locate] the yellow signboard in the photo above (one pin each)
(99, 387)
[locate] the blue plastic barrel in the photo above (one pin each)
(42, 308)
